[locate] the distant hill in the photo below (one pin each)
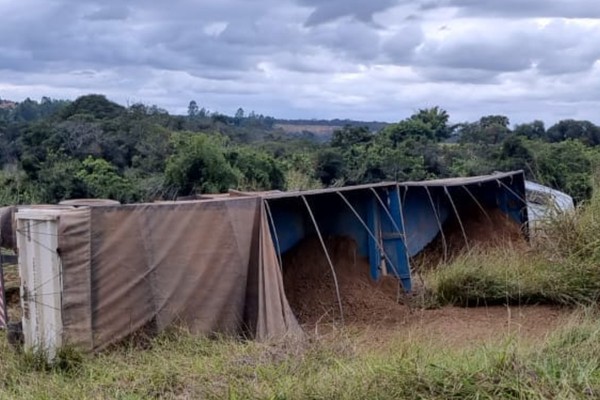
(249, 128)
(323, 129)
(7, 105)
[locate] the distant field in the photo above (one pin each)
(319, 130)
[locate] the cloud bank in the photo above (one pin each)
(375, 60)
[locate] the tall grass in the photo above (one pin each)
(561, 267)
(565, 365)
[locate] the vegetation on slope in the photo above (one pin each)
(91, 147)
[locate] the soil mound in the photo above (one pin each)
(311, 291)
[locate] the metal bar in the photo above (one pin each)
(392, 235)
(335, 281)
(462, 228)
(478, 203)
(401, 233)
(401, 202)
(386, 210)
(268, 209)
(512, 191)
(437, 218)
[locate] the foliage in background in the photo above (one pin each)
(53, 150)
(198, 164)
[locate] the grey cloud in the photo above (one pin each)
(109, 13)
(401, 46)
(307, 57)
(564, 48)
(54, 35)
(260, 34)
(306, 65)
(512, 53)
(15, 59)
(358, 41)
(557, 48)
(330, 10)
(460, 75)
(523, 9)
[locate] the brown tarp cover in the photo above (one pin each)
(207, 265)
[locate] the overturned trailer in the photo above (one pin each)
(544, 204)
(95, 274)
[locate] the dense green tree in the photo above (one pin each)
(193, 109)
(58, 180)
(491, 130)
(258, 170)
(437, 119)
(350, 135)
(584, 131)
(17, 188)
(330, 166)
(533, 130)
(95, 105)
(567, 166)
(27, 111)
(100, 179)
(198, 164)
(516, 154)
(408, 128)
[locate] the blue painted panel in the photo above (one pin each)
(336, 218)
(420, 220)
(393, 233)
(289, 219)
(374, 250)
(333, 216)
(510, 199)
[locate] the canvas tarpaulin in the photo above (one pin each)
(207, 265)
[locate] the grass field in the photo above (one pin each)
(345, 364)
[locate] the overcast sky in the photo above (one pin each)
(358, 59)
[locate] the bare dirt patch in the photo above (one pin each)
(451, 327)
(461, 326)
(319, 130)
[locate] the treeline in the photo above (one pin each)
(53, 150)
(426, 146)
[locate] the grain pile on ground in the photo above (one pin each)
(310, 287)
(482, 230)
